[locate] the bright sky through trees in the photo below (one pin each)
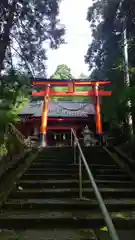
(73, 15)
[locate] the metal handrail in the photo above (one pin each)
(103, 208)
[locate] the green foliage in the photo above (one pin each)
(63, 72)
(25, 26)
(11, 146)
(14, 94)
(3, 150)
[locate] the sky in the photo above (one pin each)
(78, 36)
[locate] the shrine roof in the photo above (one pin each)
(59, 109)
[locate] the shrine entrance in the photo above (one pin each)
(73, 86)
(58, 138)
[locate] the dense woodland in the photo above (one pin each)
(108, 21)
(27, 26)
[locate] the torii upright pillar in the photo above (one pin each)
(45, 117)
(98, 111)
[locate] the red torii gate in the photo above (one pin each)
(72, 84)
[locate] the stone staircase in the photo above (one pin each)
(46, 204)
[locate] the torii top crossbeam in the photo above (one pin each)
(66, 82)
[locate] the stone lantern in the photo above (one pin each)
(87, 136)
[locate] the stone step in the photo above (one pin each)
(63, 234)
(54, 176)
(122, 177)
(70, 165)
(73, 192)
(123, 234)
(121, 204)
(57, 160)
(72, 183)
(70, 159)
(63, 219)
(51, 170)
(69, 175)
(49, 234)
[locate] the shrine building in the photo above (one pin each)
(62, 116)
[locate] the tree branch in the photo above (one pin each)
(23, 57)
(26, 63)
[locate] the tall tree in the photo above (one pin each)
(62, 72)
(84, 89)
(25, 25)
(105, 53)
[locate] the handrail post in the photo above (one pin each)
(80, 177)
(73, 144)
(74, 152)
(71, 138)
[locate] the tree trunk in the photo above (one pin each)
(6, 33)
